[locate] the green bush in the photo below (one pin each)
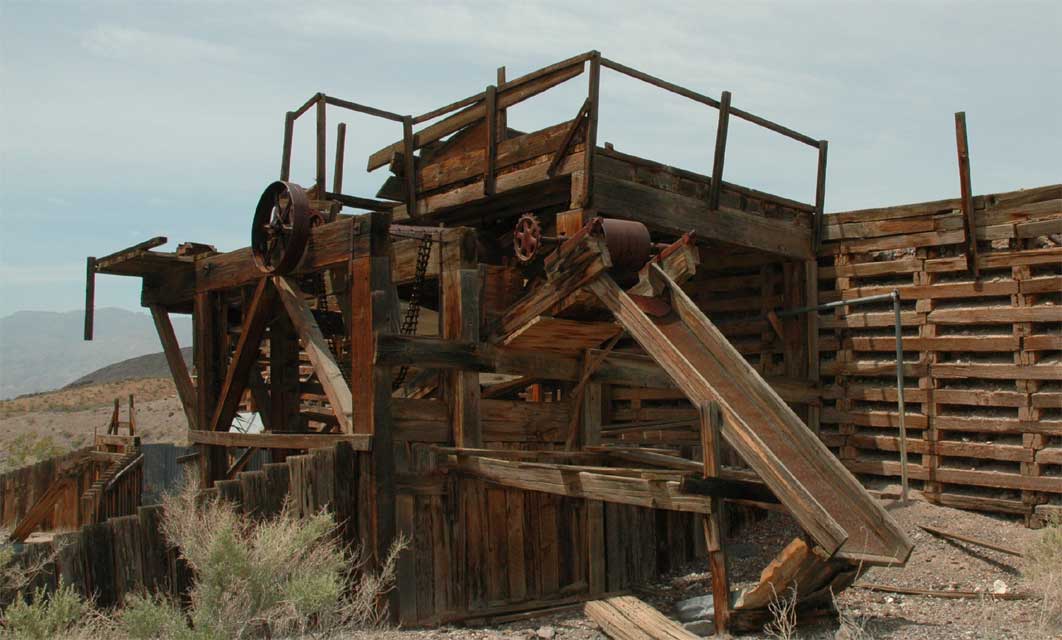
(61, 613)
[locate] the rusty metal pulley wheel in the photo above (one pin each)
(527, 237)
(281, 227)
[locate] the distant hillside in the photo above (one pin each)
(42, 350)
(150, 366)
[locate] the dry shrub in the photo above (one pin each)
(283, 576)
(1043, 568)
(783, 622)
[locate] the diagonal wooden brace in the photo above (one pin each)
(321, 357)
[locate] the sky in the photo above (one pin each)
(120, 121)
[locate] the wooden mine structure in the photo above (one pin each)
(514, 339)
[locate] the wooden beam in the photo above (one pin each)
(491, 104)
(429, 352)
(322, 133)
(206, 348)
(175, 360)
(570, 481)
(513, 93)
(313, 342)
(628, 618)
(257, 314)
(819, 220)
(285, 155)
(90, 296)
(963, 149)
(711, 422)
(590, 143)
(41, 509)
(950, 535)
(359, 442)
(672, 213)
(337, 173)
(569, 137)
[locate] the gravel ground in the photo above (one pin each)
(934, 564)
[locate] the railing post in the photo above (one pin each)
(590, 146)
(491, 104)
(820, 197)
(963, 148)
(285, 157)
(341, 145)
(409, 167)
(321, 139)
(720, 151)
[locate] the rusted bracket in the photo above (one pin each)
(963, 149)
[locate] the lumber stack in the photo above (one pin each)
(981, 354)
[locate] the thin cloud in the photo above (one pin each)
(125, 43)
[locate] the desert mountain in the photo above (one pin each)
(42, 350)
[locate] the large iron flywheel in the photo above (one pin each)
(281, 227)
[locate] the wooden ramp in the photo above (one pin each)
(842, 519)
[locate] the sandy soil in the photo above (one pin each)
(69, 416)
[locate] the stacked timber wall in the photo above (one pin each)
(981, 355)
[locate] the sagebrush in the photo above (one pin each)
(281, 576)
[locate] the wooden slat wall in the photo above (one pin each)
(129, 553)
(983, 358)
(21, 488)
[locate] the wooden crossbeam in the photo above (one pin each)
(313, 342)
(258, 314)
(359, 442)
(577, 482)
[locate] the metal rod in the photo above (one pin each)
(833, 305)
(894, 297)
(899, 396)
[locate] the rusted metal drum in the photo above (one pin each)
(628, 243)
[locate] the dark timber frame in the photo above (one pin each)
(513, 502)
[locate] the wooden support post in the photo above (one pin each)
(711, 419)
(492, 140)
(322, 133)
(963, 148)
(212, 460)
(132, 416)
(410, 167)
(594, 95)
(178, 369)
(90, 295)
(461, 321)
(285, 157)
(341, 145)
(371, 384)
(720, 151)
(283, 379)
(820, 199)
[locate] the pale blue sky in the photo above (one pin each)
(124, 120)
